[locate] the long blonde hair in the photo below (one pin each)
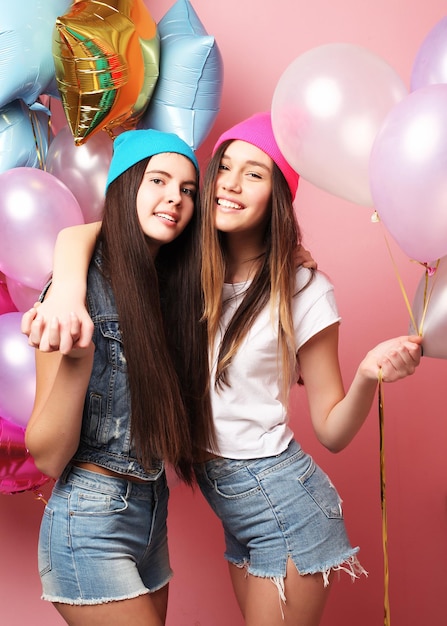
(274, 282)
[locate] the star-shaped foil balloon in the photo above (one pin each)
(106, 57)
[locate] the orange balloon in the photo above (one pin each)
(106, 57)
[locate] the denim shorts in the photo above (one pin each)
(103, 538)
(277, 508)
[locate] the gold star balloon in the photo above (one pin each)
(106, 57)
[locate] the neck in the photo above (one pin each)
(242, 258)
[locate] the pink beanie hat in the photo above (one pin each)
(258, 131)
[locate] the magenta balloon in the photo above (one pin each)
(17, 371)
(22, 296)
(34, 207)
(12, 441)
(6, 303)
(429, 311)
(18, 471)
(83, 169)
(430, 65)
(408, 173)
(327, 109)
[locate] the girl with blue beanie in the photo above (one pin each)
(107, 417)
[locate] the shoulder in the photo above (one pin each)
(312, 283)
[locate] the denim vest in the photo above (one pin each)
(105, 434)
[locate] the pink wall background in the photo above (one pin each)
(258, 41)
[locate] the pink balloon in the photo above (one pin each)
(408, 173)
(327, 109)
(6, 303)
(22, 296)
(430, 65)
(34, 207)
(429, 311)
(17, 371)
(83, 169)
(18, 471)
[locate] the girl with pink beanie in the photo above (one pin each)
(272, 324)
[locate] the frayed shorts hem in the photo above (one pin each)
(92, 601)
(349, 564)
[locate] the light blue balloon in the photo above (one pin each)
(186, 99)
(24, 136)
(26, 59)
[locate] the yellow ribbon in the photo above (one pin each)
(386, 607)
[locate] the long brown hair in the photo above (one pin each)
(274, 281)
(159, 321)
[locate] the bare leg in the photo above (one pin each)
(261, 605)
(146, 610)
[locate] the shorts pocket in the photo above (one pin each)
(95, 503)
(236, 484)
(322, 491)
(44, 552)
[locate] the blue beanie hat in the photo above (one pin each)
(133, 146)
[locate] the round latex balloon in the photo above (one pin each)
(187, 96)
(18, 471)
(23, 297)
(429, 311)
(34, 207)
(408, 173)
(17, 371)
(26, 60)
(24, 135)
(106, 64)
(430, 65)
(327, 109)
(83, 169)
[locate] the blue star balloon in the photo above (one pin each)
(26, 58)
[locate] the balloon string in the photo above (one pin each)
(39, 496)
(429, 271)
(37, 138)
(386, 604)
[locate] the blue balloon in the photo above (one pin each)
(26, 58)
(24, 135)
(186, 99)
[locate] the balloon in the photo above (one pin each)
(17, 469)
(26, 61)
(187, 97)
(23, 297)
(17, 371)
(34, 207)
(6, 303)
(327, 109)
(106, 58)
(408, 173)
(24, 135)
(430, 65)
(83, 169)
(429, 311)
(12, 440)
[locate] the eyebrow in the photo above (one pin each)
(252, 163)
(169, 175)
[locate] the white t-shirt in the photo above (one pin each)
(250, 416)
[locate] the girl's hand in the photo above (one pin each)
(50, 331)
(396, 358)
(303, 257)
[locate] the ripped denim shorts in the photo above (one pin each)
(103, 538)
(277, 508)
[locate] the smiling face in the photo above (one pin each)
(165, 199)
(243, 189)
